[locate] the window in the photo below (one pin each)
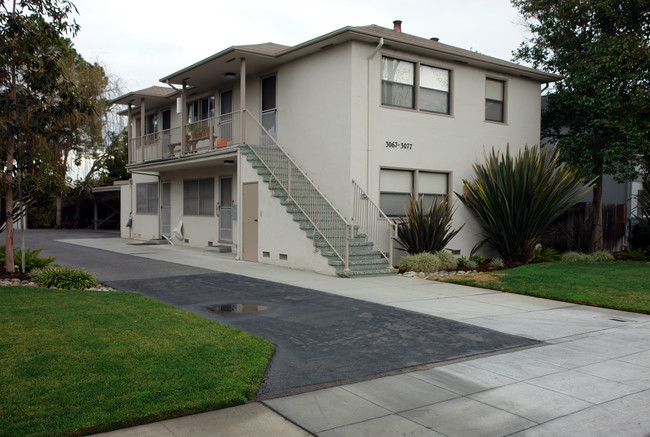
(434, 89)
(200, 109)
(166, 119)
(198, 197)
(151, 123)
(146, 195)
(494, 100)
(397, 83)
(396, 186)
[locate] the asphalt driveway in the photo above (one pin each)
(321, 339)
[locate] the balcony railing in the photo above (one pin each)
(201, 136)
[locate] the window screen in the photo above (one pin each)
(146, 198)
(434, 89)
(494, 100)
(398, 78)
(198, 197)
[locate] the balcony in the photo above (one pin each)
(203, 136)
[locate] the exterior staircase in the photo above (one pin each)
(363, 258)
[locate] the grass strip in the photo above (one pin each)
(80, 362)
(617, 285)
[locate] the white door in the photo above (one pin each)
(225, 209)
(165, 209)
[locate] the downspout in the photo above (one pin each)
(369, 133)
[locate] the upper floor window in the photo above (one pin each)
(151, 124)
(200, 109)
(434, 89)
(398, 82)
(428, 90)
(494, 100)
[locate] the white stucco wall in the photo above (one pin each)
(444, 143)
(315, 118)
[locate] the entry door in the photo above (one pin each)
(269, 110)
(165, 209)
(249, 222)
(225, 209)
(225, 112)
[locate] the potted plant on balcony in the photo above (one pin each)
(197, 131)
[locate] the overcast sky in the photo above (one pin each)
(141, 41)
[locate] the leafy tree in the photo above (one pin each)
(85, 125)
(599, 114)
(34, 94)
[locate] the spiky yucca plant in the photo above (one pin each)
(517, 198)
(423, 230)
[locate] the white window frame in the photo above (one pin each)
(199, 211)
(417, 87)
(415, 186)
(145, 194)
(490, 99)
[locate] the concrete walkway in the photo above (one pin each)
(591, 378)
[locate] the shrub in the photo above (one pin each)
(496, 262)
(422, 262)
(424, 230)
(478, 259)
(65, 278)
(447, 260)
(578, 257)
(544, 255)
(462, 261)
(602, 256)
(517, 199)
(32, 260)
(634, 255)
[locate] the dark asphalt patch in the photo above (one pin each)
(323, 338)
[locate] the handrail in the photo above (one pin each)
(334, 241)
(367, 215)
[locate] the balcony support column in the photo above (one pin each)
(142, 126)
(129, 135)
(242, 102)
(183, 118)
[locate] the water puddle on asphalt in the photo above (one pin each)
(238, 308)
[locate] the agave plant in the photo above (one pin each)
(423, 230)
(517, 198)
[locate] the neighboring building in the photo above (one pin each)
(368, 114)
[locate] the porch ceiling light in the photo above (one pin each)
(230, 75)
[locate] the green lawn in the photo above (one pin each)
(79, 362)
(617, 285)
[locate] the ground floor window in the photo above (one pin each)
(396, 186)
(198, 197)
(146, 198)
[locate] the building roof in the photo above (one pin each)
(153, 93)
(266, 56)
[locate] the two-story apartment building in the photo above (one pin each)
(298, 156)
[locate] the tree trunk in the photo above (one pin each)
(59, 207)
(9, 206)
(597, 203)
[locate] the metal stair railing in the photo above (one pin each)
(329, 224)
(373, 222)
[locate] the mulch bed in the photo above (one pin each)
(17, 274)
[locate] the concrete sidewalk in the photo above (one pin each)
(592, 377)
